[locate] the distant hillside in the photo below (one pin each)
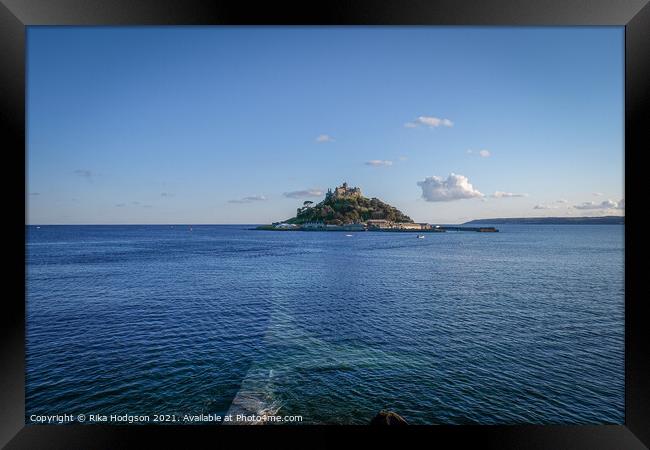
(346, 205)
(602, 220)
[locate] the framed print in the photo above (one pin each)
(364, 218)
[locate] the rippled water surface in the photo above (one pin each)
(521, 326)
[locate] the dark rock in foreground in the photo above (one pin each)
(388, 418)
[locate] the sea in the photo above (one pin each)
(523, 326)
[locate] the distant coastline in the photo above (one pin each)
(601, 220)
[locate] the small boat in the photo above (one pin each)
(348, 235)
(420, 236)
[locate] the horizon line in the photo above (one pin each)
(240, 224)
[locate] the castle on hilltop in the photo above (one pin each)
(343, 191)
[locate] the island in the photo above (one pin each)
(346, 209)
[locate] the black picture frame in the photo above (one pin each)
(16, 15)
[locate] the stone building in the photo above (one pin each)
(378, 224)
(343, 191)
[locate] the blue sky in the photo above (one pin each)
(241, 125)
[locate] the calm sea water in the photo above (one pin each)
(521, 326)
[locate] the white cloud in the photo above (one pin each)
(455, 187)
(304, 193)
(252, 198)
(429, 121)
(500, 194)
(482, 153)
(605, 204)
(544, 206)
(379, 163)
(324, 138)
